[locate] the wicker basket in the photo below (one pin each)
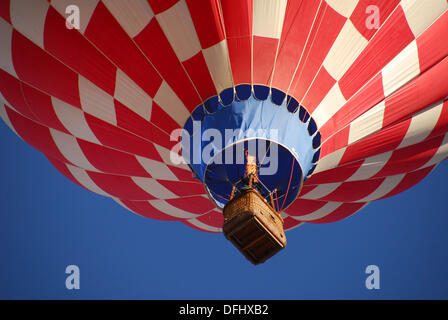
(253, 227)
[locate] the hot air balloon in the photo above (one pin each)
(344, 100)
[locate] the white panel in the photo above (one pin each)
(441, 154)
(165, 155)
(96, 102)
(204, 226)
(422, 125)
(346, 48)
(217, 59)
(178, 27)
(318, 214)
(156, 169)
(28, 17)
(167, 99)
(132, 15)
(368, 123)
(330, 161)
(384, 188)
(6, 48)
(403, 68)
(332, 102)
(83, 178)
(70, 149)
(154, 188)
(167, 208)
(86, 9)
(343, 7)
(73, 120)
(321, 191)
(132, 96)
(420, 14)
(122, 204)
(370, 167)
(268, 18)
(5, 117)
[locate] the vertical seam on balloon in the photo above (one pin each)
(271, 76)
(252, 50)
(308, 54)
(229, 66)
(304, 47)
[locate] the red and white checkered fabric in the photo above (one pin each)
(101, 101)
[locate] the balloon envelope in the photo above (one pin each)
(100, 87)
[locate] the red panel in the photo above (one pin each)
(390, 40)
(41, 106)
(338, 174)
(200, 75)
(345, 210)
(321, 86)
(353, 190)
(240, 56)
(370, 95)
(158, 6)
(301, 207)
(335, 142)
(185, 90)
(119, 186)
(237, 16)
(145, 209)
(121, 50)
(289, 223)
(132, 122)
(4, 10)
(410, 158)
(263, 59)
(207, 20)
(183, 189)
(359, 15)
(379, 142)
(11, 89)
(119, 139)
(35, 135)
(327, 27)
(409, 180)
(299, 17)
(306, 188)
(214, 219)
(155, 46)
(112, 161)
(161, 119)
(36, 67)
(196, 205)
(71, 48)
(430, 49)
(427, 89)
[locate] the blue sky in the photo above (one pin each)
(47, 223)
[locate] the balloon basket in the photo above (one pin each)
(253, 227)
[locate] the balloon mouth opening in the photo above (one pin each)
(277, 132)
(226, 175)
